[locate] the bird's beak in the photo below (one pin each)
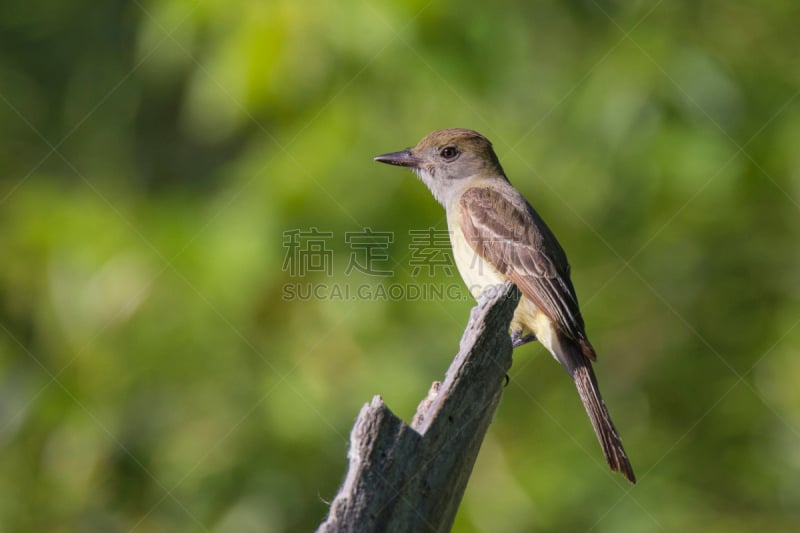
(403, 158)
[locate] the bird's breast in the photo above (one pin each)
(477, 273)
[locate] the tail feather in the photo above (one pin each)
(577, 362)
(604, 428)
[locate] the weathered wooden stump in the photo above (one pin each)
(412, 477)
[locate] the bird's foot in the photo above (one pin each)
(518, 339)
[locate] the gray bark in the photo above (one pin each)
(412, 477)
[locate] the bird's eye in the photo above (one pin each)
(449, 152)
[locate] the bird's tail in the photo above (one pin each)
(581, 370)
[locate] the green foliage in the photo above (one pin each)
(154, 378)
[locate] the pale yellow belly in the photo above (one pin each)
(479, 276)
(476, 272)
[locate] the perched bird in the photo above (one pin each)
(497, 236)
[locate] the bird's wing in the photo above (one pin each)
(504, 230)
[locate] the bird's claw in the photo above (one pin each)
(518, 339)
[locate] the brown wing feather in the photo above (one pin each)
(508, 233)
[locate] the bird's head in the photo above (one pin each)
(445, 160)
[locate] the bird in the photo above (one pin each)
(497, 236)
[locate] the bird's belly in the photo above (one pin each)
(529, 319)
(477, 273)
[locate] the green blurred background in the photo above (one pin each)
(156, 154)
